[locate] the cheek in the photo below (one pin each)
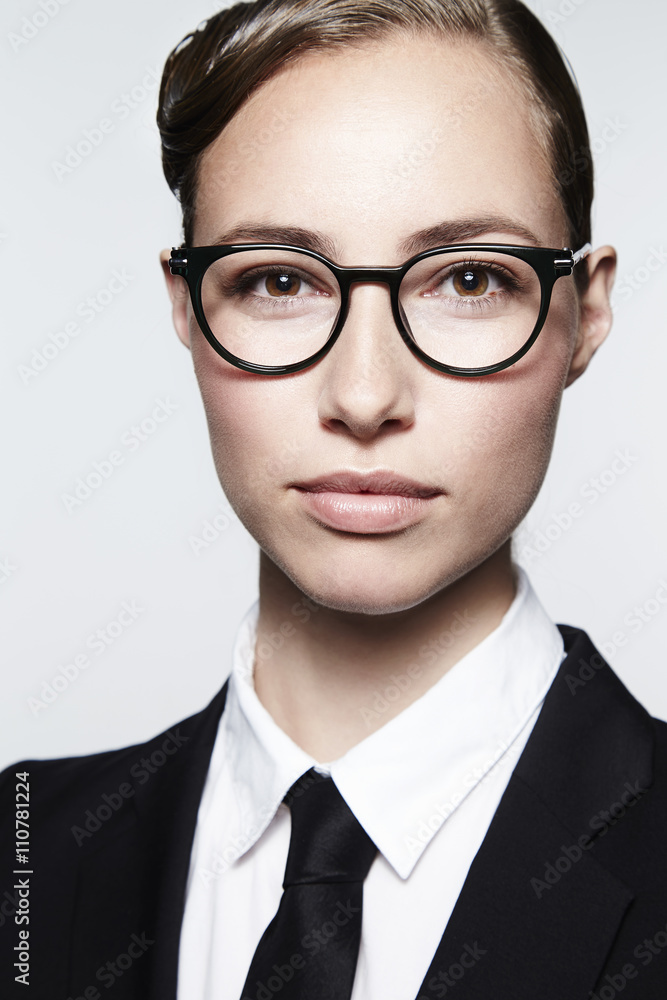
(505, 427)
(251, 427)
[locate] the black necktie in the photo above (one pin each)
(309, 950)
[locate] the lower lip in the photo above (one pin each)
(365, 513)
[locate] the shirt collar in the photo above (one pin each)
(405, 779)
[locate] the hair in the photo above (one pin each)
(211, 73)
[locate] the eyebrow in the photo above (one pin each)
(292, 235)
(464, 231)
(441, 234)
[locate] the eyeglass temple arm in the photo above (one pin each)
(567, 264)
(580, 254)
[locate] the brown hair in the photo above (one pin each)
(209, 75)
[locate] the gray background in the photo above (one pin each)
(65, 574)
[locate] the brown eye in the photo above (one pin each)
(469, 283)
(282, 284)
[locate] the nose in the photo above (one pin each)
(368, 375)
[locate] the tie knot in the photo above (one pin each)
(327, 844)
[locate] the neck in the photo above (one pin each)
(329, 678)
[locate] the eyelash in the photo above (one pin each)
(480, 265)
(244, 282)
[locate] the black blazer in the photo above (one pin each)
(567, 894)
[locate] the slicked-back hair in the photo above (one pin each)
(211, 73)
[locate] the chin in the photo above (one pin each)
(364, 587)
(364, 601)
(375, 603)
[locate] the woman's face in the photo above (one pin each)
(366, 148)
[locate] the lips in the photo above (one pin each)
(366, 503)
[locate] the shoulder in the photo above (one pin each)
(61, 789)
(114, 827)
(590, 680)
(597, 755)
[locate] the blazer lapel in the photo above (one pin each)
(538, 913)
(132, 875)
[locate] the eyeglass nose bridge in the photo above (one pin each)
(348, 276)
(391, 276)
(386, 275)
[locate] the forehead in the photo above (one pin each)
(372, 142)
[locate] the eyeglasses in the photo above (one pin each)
(467, 310)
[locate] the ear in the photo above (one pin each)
(595, 311)
(180, 298)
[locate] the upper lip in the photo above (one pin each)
(380, 481)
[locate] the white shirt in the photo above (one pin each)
(424, 786)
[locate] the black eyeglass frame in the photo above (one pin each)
(549, 265)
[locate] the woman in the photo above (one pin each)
(381, 433)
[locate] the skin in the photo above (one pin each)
(342, 163)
